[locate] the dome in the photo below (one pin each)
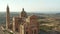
(23, 13)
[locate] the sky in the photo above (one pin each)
(30, 5)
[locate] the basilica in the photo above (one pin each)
(23, 23)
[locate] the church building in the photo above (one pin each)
(23, 23)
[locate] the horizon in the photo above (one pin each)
(51, 12)
(31, 5)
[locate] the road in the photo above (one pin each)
(1, 32)
(5, 32)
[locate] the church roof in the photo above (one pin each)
(33, 16)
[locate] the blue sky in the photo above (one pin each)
(30, 5)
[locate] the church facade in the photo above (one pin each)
(23, 23)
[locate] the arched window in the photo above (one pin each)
(17, 29)
(26, 32)
(33, 31)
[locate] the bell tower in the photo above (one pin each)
(7, 17)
